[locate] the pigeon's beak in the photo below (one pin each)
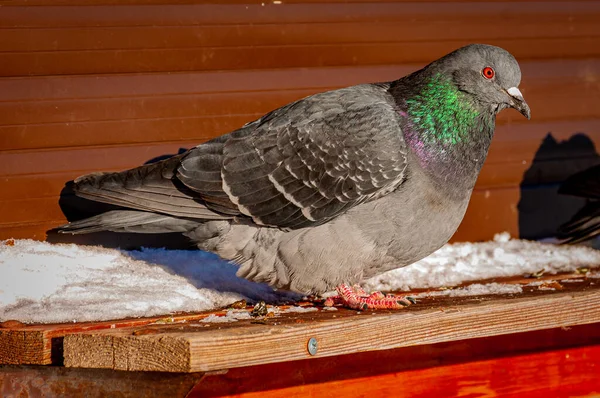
(518, 102)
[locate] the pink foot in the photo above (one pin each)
(356, 298)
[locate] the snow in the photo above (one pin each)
(230, 316)
(296, 309)
(51, 283)
(476, 289)
(458, 263)
(42, 282)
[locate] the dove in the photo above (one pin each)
(331, 189)
(585, 224)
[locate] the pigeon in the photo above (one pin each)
(585, 224)
(331, 189)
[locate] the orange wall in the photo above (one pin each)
(107, 87)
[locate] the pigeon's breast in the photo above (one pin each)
(408, 224)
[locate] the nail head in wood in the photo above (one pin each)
(312, 346)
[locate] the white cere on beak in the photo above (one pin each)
(515, 92)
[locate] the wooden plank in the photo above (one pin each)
(259, 57)
(318, 376)
(29, 3)
(42, 344)
(302, 375)
(29, 381)
(204, 13)
(47, 88)
(74, 111)
(559, 373)
(459, 27)
(31, 230)
(192, 348)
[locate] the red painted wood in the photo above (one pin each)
(561, 373)
(549, 363)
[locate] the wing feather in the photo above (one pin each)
(305, 163)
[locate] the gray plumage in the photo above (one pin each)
(330, 189)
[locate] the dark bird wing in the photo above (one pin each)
(300, 165)
(305, 163)
(584, 184)
(585, 224)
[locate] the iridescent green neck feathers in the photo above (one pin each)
(448, 131)
(441, 113)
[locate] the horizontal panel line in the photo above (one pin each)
(359, 70)
(57, 4)
(522, 59)
(52, 173)
(99, 121)
(286, 46)
(107, 146)
(158, 95)
(30, 224)
(588, 16)
(254, 115)
(389, 11)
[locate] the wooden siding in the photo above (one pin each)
(107, 85)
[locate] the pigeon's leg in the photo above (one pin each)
(356, 298)
(338, 300)
(359, 290)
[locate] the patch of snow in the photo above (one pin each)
(458, 263)
(535, 283)
(51, 283)
(230, 316)
(502, 237)
(299, 309)
(476, 289)
(546, 288)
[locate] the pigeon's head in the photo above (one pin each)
(490, 74)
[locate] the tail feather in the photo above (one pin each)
(585, 224)
(150, 188)
(585, 184)
(130, 221)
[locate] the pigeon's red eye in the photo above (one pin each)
(488, 72)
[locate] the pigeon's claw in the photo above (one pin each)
(356, 298)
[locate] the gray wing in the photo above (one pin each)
(305, 163)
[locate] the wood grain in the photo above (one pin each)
(244, 13)
(102, 39)
(560, 373)
(143, 119)
(298, 376)
(212, 349)
(54, 381)
(42, 344)
(97, 85)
